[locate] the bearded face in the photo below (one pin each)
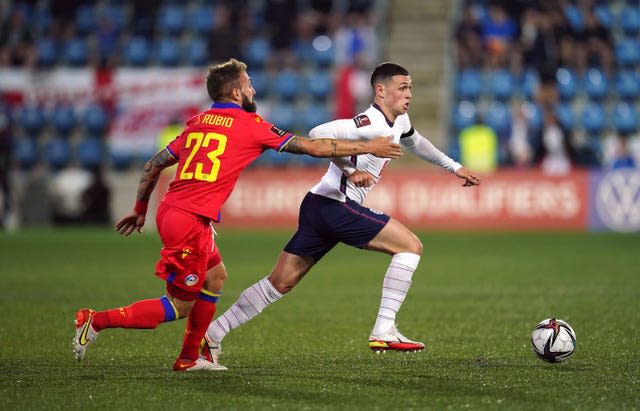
(248, 105)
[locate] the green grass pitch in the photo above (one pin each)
(474, 300)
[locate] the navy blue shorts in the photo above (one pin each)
(324, 222)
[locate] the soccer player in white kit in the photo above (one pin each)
(332, 212)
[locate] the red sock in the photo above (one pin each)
(141, 314)
(199, 318)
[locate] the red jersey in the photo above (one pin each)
(212, 150)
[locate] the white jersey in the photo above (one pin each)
(370, 124)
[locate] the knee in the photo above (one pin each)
(283, 285)
(415, 245)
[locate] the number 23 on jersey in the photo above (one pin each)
(203, 170)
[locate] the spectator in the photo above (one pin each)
(356, 38)
(556, 152)
(499, 33)
(520, 150)
(468, 37)
(16, 40)
(479, 147)
(595, 45)
(617, 151)
(223, 42)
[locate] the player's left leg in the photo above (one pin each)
(405, 248)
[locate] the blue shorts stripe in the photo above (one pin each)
(170, 312)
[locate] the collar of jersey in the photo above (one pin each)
(376, 106)
(225, 105)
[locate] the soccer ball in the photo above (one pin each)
(553, 340)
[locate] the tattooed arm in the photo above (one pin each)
(329, 147)
(150, 174)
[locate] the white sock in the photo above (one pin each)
(250, 303)
(395, 286)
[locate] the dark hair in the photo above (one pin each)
(384, 71)
(223, 78)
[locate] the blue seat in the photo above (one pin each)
(604, 15)
(469, 84)
(574, 17)
(624, 118)
(283, 116)
(26, 152)
(260, 82)
(120, 160)
(57, 152)
(498, 117)
(171, 19)
(116, 13)
(319, 84)
(314, 114)
(534, 115)
(501, 85)
(202, 19)
(596, 84)
(323, 52)
(95, 120)
(32, 119)
(287, 84)
(593, 118)
(628, 85)
(48, 51)
(137, 51)
(64, 119)
(196, 52)
(529, 84)
(464, 114)
(627, 53)
(85, 19)
(629, 20)
(257, 52)
(566, 83)
(89, 152)
(167, 52)
(76, 52)
(565, 115)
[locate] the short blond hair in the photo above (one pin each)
(224, 77)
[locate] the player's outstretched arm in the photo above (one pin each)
(467, 176)
(150, 174)
(328, 147)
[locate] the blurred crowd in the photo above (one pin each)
(547, 83)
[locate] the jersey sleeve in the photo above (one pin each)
(271, 136)
(174, 147)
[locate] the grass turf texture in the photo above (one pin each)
(474, 301)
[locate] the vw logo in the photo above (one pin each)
(618, 200)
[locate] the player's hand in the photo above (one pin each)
(362, 179)
(469, 178)
(130, 223)
(384, 147)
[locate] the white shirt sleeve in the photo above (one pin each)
(423, 148)
(344, 129)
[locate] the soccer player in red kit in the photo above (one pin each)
(212, 150)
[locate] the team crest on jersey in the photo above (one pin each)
(362, 120)
(191, 280)
(277, 131)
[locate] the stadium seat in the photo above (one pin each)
(529, 84)
(624, 118)
(116, 13)
(469, 84)
(565, 115)
(32, 119)
(95, 120)
(76, 52)
(319, 84)
(47, 50)
(85, 19)
(57, 152)
(257, 52)
(574, 16)
(604, 15)
(501, 85)
(137, 51)
(627, 53)
(566, 83)
(26, 152)
(596, 84)
(628, 85)
(314, 114)
(167, 52)
(498, 117)
(260, 82)
(196, 52)
(287, 84)
(534, 115)
(89, 152)
(629, 20)
(283, 116)
(171, 19)
(201, 20)
(323, 52)
(593, 118)
(64, 119)
(464, 114)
